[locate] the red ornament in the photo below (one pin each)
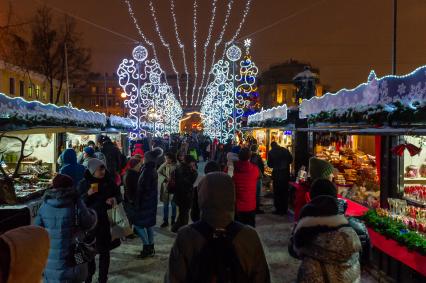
(412, 149)
(398, 150)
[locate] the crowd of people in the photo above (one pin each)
(221, 244)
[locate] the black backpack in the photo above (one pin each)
(217, 261)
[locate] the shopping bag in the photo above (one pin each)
(120, 225)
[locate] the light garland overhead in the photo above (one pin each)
(217, 43)
(194, 44)
(166, 45)
(206, 44)
(182, 47)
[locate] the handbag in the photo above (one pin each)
(82, 252)
(120, 225)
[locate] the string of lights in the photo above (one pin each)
(194, 38)
(182, 47)
(237, 32)
(166, 45)
(135, 21)
(216, 45)
(206, 44)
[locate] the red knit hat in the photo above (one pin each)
(62, 181)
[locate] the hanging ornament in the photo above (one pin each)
(412, 149)
(398, 150)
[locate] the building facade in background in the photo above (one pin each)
(101, 93)
(17, 82)
(276, 86)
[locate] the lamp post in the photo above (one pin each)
(123, 95)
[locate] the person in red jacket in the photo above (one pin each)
(245, 179)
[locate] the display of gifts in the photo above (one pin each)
(415, 193)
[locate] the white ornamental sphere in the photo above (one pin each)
(140, 53)
(233, 53)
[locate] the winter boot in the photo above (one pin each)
(151, 250)
(144, 253)
(165, 224)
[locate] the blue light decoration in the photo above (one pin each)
(406, 89)
(152, 105)
(288, 133)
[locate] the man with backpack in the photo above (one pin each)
(217, 249)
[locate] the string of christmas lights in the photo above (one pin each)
(206, 44)
(194, 38)
(166, 45)
(216, 45)
(135, 21)
(182, 47)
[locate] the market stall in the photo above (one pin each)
(373, 134)
(29, 149)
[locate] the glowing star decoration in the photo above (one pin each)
(247, 44)
(140, 53)
(233, 53)
(151, 103)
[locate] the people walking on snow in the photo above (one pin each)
(100, 193)
(324, 240)
(184, 177)
(70, 166)
(142, 210)
(217, 249)
(257, 160)
(210, 167)
(65, 216)
(165, 174)
(246, 176)
(280, 159)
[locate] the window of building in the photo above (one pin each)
(37, 91)
(12, 85)
(280, 96)
(93, 89)
(30, 90)
(21, 88)
(110, 90)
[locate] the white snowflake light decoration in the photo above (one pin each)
(233, 53)
(140, 53)
(148, 97)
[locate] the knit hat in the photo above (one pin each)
(216, 198)
(320, 169)
(89, 151)
(94, 164)
(62, 181)
(154, 155)
(323, 187)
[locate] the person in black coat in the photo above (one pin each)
(185, 176)
(141, 208)
(100, 193)
(279, 159)
(112, 154)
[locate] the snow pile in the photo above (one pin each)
(35, 113)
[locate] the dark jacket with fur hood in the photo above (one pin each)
(326, 244)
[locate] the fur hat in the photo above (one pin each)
(94, 164)
(320, 169)
(154, 155)
(62, 181)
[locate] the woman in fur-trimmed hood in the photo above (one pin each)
(326, 244)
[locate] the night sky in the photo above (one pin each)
(344, 39)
